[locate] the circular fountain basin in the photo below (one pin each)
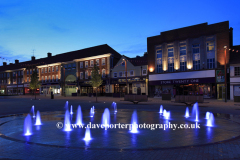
(120, 138)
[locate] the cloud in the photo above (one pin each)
(134, 50)
(9, 56)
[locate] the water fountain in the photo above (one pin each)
(161, 109)
(164, 112)
(134, 122)
(71, 110)
(67, 122)
(106, 118)
(115, 107)
(66, 105)
(28, 126)
(33, 112)
(93, 109)
(210, 120)
(91, 112)
(38, 119)
(187, 113)
(87, 135)
(79, 116)
(207, 115)
(167, 115)
(195, 112)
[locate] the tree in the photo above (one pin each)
(34, 84)
(96, 80)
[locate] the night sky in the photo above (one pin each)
(59, 26)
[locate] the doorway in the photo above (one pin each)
(221, 91)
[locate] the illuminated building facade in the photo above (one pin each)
(189, 60)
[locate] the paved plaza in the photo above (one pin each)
(14, 108)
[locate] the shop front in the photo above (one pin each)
(195, 83)
(87, 90)
(48, 88)
(14, 89)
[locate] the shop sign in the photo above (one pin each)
(220, 76)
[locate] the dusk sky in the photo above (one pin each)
(59, 26)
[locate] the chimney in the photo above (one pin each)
(49, 54)
(4, 63)
(33, 58)
(16, 61)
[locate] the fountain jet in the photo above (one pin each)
(28, 126)
(38, 119)
(195, 112)
(187, 113)
(67, 122)
(210, 121)
(33, 112)
(71, 110)
(207, 115)
(87, 135)
(106, 118)
(134, 122)
(91, 112)
(79, 116)
(161, 109)
(115, 107)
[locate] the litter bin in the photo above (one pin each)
(52, 96)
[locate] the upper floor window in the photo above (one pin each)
(237, 71)
(37, 70)
(91, 63)
(42, 70)
(56, 77)
(103, 73)
(183, 48)
(159, 53)
(27, 79)
(170, 50)
(120, 74)
(49, 69)
(123, 63)
(195, 48)
(45, 78)
(42, 78)
(56, 68)
(97, 62)
(131, 73)
(115, 74)
(196, 65)
(183, 66)
(69, 66)
(53, 78)
(144, 72)
(81, 75)
(81, 64)
(27, 72)
(211, 63)
(90, 74)
(170, 67)
(86, 64)
(103, 61)
(74, 66)
(86, 74)
(45, 70)
(52, 68)
(49, 78)
(210, 46)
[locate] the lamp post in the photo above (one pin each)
(225, 67)
(126, 74)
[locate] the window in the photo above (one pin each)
(182, 66)
(211, 63)
(52, 68)
(27, 79)
(69, 66)
(159, 68)
(81, 75)
(97, 62)
(183, 50)
(170, 50)
(45, 78)
(74, 66)
(120, 74)
(86, 74)
(170, 67)
(30, 71)
(27, 72)
(42, 79)
(115, 74)
(91, 74)
(42, 69)
(131, 73)
(196, 65)
(159, 59)
(103, 61)
(56, 68)
(49, 78)
(45, 70)
(124, 74)
(91, 63)
(210, 46)
(49, 69)
(123, 63)
(195, 48)
(81, 64)
(144, 72)
(56, 77)
(86, 64)
(53, 78)
(237, 71)
(103, 73)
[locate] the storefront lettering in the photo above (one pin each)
(180, 81)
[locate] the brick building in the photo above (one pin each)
(189, 60)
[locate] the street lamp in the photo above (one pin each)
(126, 74)
(225, 67)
